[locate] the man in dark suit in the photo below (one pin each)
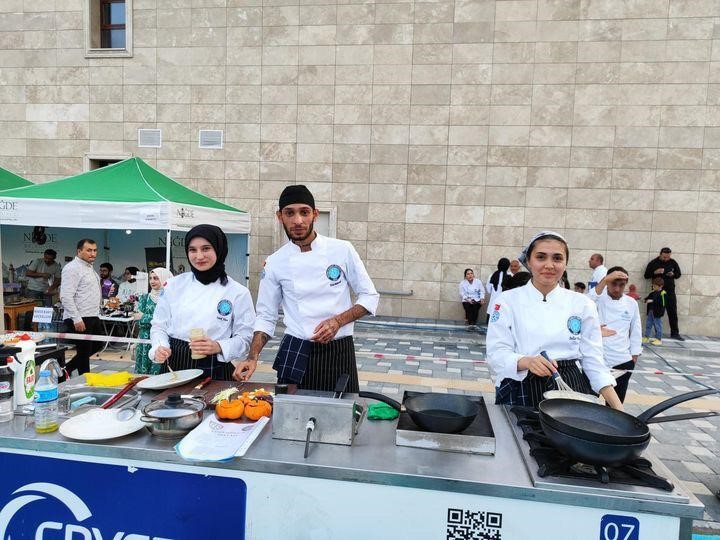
(667, 268)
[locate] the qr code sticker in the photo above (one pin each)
(467, 525)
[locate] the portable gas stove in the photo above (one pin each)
(645, 478)
(477, 438)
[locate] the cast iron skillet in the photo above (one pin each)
(594, 422)
(441, 413)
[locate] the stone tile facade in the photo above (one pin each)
(443, 133)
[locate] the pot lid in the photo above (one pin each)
(175, 406)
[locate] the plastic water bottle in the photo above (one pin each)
(46, 403)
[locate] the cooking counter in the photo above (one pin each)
(373, 460)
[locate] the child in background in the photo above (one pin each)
(579, 286)
(656, 302)
(632, 292)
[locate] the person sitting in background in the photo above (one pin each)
(41, 272)
(146, 309)
(656, 302)
(472, 295)
(579, 286)
(128, 287)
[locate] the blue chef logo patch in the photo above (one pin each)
(224, 307)
(574, 324)
(333, 272)
(495, 316)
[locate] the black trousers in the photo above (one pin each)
(85, 349)
(471, 311)
(671, 308)
(623, 381)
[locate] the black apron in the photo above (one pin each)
(211, 366)
(326, 363)
(529, 391)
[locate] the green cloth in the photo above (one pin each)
(381, 411)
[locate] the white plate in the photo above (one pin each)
(100, 425)
(37, 337)
(166, 380)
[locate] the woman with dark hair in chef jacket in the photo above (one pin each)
(497, 283)
(203, 313)
(543, 316)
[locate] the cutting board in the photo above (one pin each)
(213, 387)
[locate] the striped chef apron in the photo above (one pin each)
(326, 362)
(211, 366)
(529, 391)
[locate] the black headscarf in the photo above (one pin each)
(500, 276)
(218, 240)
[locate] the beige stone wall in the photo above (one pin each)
(444, 133)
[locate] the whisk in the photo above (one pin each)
(562, 385)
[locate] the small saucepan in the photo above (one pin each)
(173, 418)
(440, 413)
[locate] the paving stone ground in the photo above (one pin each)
(394, 355)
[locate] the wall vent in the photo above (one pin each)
(211, 139)
(149, 138)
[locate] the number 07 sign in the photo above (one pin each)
(614, 527)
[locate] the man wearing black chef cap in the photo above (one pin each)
(312, 277)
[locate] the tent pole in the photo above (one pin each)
(2, 303)
(168, 239)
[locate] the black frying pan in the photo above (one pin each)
(441, 413)
(597, 423)
(592, 452)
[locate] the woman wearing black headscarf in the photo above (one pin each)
(497, 283)
(205, 298)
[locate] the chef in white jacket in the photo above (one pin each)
(620, 313)
(472, 296)
(544, 317)
(312, 277)
(204, 299)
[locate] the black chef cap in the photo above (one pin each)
(297, 194)
(218, 240)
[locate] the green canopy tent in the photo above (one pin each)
(10, 180)
(129, 195)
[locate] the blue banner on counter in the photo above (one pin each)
(47, 498)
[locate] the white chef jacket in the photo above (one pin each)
(471, 291)
(597, 276)
(493, 292)
(312, 287)
(566, 325)
(225, 312)
(623, 316)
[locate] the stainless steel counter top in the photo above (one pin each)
(373, 458)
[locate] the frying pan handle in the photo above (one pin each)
(379, 397)
(341, 385)
(682, 398)
(688, 416)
